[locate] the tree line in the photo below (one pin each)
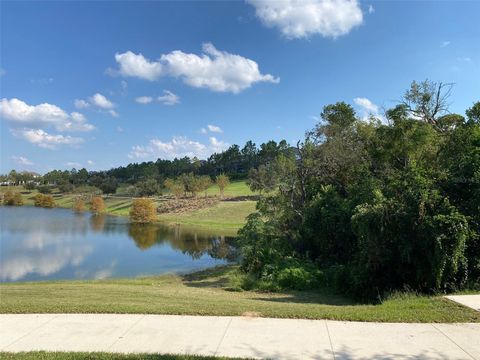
(372, 206)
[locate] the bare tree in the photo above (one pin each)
(428, 100)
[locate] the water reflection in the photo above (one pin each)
(38, 244)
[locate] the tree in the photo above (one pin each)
(42, 200)
(11, 198)
(473, 114)
(262, 179)
(175, 187)
(222, 182)
(204, 183)
(147, 187)
(97, 206)
(78, 205)
(143, 211)
(109, 185)
(427, 101)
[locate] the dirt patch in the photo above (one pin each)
(179, 206)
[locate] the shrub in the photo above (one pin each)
(299, 278)
(42, 200)
(66, 187)
(97, 205)
(143, 211)
(11, 198)
(44, 189)
(30, 185)
(78, 205)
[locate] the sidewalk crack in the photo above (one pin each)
(126, 331)
(31, 331)
(329, 339)
(448, 337)
(223, 337)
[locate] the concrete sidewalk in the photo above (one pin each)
(238, 336)
(471, 301)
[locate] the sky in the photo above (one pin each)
(99, 84)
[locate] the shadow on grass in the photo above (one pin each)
(216, 277)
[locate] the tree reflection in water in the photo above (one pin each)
(193, 243)
(97, 222)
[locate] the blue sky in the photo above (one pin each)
(101, 84)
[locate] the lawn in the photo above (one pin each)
(234, 189)
(226, 215)
(42, 355)
(211, 293)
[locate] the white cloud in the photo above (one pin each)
(168, 98)
(303, 18)
(136, 65)
(445, 44)
(90, 162)
(22, 160)
(213, 128)
(178, 147)
(81, 104)
(214, 70)
(368, 109)
(2, 72)
(101, 101)
(45, 140)
(144, 99)
(20, 113)
(119, 129)
(371, 9)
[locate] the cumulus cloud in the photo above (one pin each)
(20, 113)
(214, 69)
(168, 98)
(90, 162)
(98, 101)
(303, 18)
(45, 140)
(213, 128)
(101, 101)
(22, 160)
(445, 44)
(368, 109)
(144, 99)
(178, 147)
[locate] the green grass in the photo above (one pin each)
(210, 293)
(228, 215)
(235, 188)
(42, 355)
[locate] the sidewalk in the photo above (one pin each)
(238, 336)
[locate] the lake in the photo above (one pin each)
(47, 244)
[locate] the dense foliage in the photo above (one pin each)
(43, 200)
(143, 211)
(11, 198)
(371, 206)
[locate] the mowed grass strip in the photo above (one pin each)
(226, 215)
(42, 355)
(210, 293)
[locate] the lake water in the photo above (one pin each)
(45, 244)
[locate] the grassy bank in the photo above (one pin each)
(210, 293)
(225, 215)
(42, 355)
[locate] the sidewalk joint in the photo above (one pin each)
(329, 339)
(223, 337)
(448, 337)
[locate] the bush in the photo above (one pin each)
(44, 189)
(143, 211)
(42, 200)
(66, 187)
(97, 205)
(300, 278)
(78, 205)
(11, 198)
(30, 185)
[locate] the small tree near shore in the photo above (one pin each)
(222, 181)
(98, 205)
(143, 211)
(175, 187)
(11, 198)
(78, 205)
(42, 200)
